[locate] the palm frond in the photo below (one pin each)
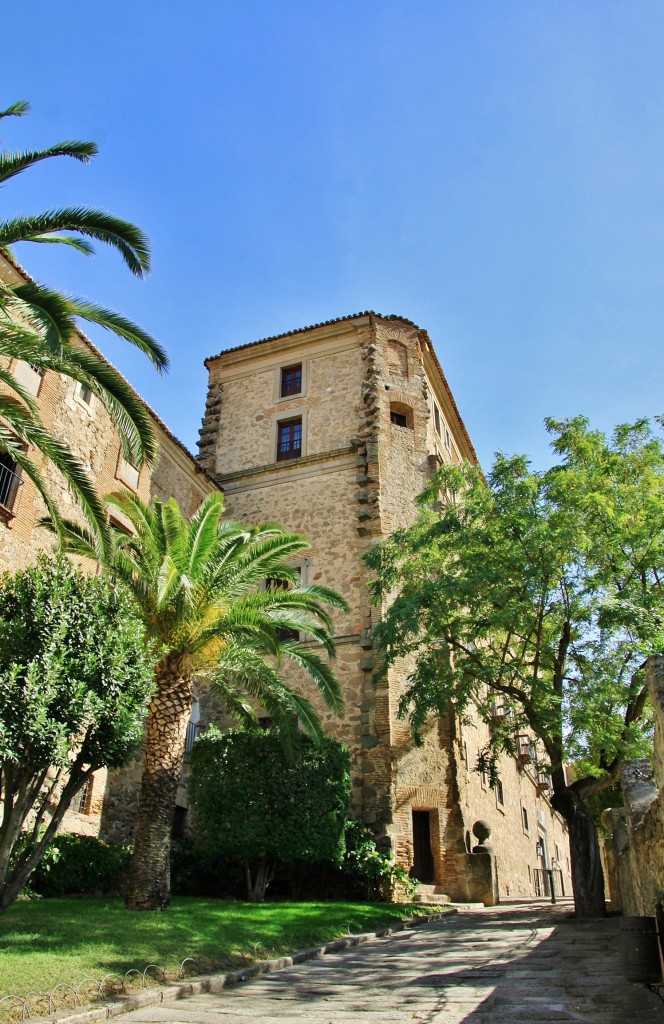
(123, 327)
(23, 424)
(17, 109)
(12, 164)
(317, 669)
(80, 244)
(129, 240)
(17, 452)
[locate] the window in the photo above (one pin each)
(84, 394)
(401, 415)
(29, 376)
(397, 358)
(10, 481)
(127, 472)
(291, 380)
(81, 802)
(448, 440)
(289, 439)
(436, 419)
(524, 819)
(284, 632)
(500, 796)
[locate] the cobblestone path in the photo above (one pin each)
(514, 963)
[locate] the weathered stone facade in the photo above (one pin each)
(376, 416)
(634, 850)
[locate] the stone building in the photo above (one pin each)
(332, 430)
(76, 417)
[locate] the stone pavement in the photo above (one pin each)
(520, 962)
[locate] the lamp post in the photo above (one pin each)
(554, 866)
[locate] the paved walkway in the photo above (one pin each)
(514, 963)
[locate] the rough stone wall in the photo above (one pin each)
(316, 496)
(356, 482)
(513, 843)
(636, 853)
(244, 403)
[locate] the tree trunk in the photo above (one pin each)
(587, 874)
(264, 875)
(149, 884)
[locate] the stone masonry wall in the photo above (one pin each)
(636, 847)
(355, 483)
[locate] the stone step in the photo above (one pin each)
(431, 894)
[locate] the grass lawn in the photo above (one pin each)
(44, 942)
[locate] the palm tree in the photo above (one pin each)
(220, 601)
(40, 327)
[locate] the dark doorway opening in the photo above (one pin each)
(422, 856)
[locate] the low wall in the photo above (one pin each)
(634, 852)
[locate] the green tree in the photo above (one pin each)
(201, 589)
(252, 804)
(39, 326)
(75, 680)
(542, 592)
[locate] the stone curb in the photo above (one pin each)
(214, 983)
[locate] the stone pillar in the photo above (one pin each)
(481, 869)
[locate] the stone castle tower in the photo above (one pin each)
(332, 430)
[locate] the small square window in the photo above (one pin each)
(436, 418)
(289, 439)
(291, 380)
(84, 394)
(500, 796)
(524, 819)
(448, 440)
(398, 419)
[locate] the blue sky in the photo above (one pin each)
(492, 171)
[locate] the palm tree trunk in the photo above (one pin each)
(149, 884)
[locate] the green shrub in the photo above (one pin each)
(252, 806)
(373, 870)
(81, 865)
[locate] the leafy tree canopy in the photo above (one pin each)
(539, 591)
(75, 682)
(252, 804)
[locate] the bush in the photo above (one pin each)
(252, 806)
(364, 873)
(375, 871)
(81, 865)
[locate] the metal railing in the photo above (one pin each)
(9, 485)
(543, 878)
